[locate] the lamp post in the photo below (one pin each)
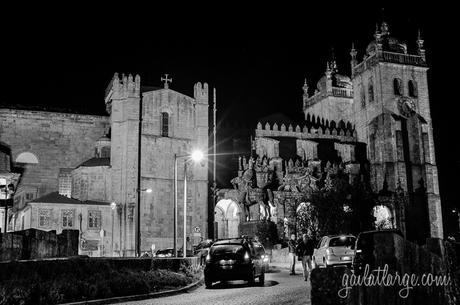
(113, 206)
(456, 211)
(138, 219)
(196, 156)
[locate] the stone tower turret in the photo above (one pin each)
(392, 115)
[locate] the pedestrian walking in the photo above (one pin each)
(305, 252)
(292, 244)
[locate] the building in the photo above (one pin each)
(93, 219)
(88, 158)
(374, 126)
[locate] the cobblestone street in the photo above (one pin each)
(279, 288)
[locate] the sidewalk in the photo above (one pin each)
(285, 266)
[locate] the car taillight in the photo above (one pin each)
(208, 257)
(246, 256)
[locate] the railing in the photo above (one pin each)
(406, 59)
(339, 92)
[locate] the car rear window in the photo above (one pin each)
(342, 241)
(225, 249)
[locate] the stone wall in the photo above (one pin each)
(58, 140)
(33, 244)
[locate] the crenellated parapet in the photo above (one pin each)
(321, 132)
(126, 86)
(201, 93)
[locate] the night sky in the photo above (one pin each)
(257, 57)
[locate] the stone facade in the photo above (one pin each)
(383, 108)
(57, 140)
(95, 158)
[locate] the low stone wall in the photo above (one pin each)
(52, 281)
(34, 244)
(401, 256)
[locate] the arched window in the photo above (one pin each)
(164, 124)
(27, 157)
(397, 86)
(412, 89)
(371, 92)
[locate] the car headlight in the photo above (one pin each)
(246, 256)
(208, 258)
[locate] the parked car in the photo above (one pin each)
(260, 251)
(364, 248)
(234, 259)
(202, 249)
(169, 252)
(333, 250)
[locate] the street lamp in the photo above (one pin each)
(456, 211)
(196, 156)
(113, 206)
(138, 219)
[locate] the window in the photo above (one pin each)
(363, 98)
(29, 196)
(27, 157)
(164, 124)
(371, 92)
(412, 89)
(67, 217)
(397, 86)
(105, 152)
(94, 219)
(44, 216)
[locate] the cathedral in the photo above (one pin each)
(82, 171)
(373, 127)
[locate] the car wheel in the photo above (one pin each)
(262, 279)
(207, 283)
(252, 278)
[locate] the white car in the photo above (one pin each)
(334, 250)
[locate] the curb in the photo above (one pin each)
(139, 297)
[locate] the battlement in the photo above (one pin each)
(321, 132)
(201, 92)
(123, 87)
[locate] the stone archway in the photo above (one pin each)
(384, 218)
(227, 216)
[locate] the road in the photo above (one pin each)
(279, 288)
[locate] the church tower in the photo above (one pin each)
(392, 115)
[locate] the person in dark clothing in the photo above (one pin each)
(292, 244)
(305, 251)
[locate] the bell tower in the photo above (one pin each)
(392, 115)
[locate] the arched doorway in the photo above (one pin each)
(383, 217)
(227, 216)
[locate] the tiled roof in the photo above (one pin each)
(55, 197)
(96, 162)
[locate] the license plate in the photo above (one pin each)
(346, 258)
(227, 267)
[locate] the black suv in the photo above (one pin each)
(233, 259)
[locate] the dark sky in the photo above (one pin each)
(257, 57)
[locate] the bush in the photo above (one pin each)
(53, 282)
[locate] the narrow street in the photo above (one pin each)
(279, 288)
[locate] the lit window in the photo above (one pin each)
(164, 124)
(44, 216)
(67, 218)
(94, 219)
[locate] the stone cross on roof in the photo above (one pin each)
(166, 80)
